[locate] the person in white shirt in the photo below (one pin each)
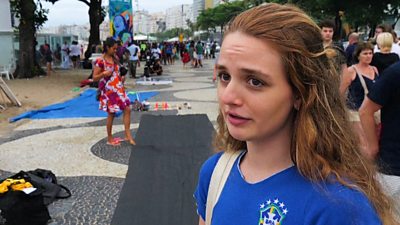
(155, 51)
(65, 56)
(134, 51)
(75, 52)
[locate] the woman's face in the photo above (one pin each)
(254, 95)
(119, 24)
(112, 50)
(365, 56)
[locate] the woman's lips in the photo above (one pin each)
(236, 120)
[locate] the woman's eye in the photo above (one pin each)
(255, 82)
(224, 77)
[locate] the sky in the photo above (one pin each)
(69, 12)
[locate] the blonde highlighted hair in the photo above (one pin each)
(323, 143)
(385, 41)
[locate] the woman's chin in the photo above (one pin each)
(238, 135)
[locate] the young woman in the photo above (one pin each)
(113, 98)
(301, 163)
(48, 55)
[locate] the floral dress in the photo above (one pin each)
(112, 92)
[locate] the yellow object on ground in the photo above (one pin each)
(15, 184)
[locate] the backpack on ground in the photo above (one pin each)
(18, 206)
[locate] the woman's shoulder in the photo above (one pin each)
(334, 203)
(351, 73)
(351, 69)
(99, 62)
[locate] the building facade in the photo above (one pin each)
(157, 23)
(208, 4)
(6, 35)
(177, 16)
(198, 6)
(141, 22)
(82, 31)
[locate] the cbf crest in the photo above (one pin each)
(272, 212)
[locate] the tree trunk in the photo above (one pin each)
(26, 58)
(95, 19)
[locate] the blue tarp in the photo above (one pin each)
(85, 105)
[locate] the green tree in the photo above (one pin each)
(171, 33)
(96, 17)
(31, 17)
(357, 12)
(220, 15)
(191, 28)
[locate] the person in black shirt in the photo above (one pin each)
(353, 41)
(385, 57)
(384, 95)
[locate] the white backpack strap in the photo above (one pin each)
(218, 179)
(361, 78)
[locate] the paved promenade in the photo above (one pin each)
(76, 151)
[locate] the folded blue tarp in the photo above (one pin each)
(85, 105)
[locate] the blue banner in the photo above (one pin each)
(121, 20)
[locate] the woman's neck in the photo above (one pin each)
(264, 159)
(362, 65)
(108, 58)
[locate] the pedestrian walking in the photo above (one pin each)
(353, 41)
(48, 55)
(384, 96)
(282, 121)
(336, 51)
(134, 51)
(75, 51)
(384, 58)
(356, 83)
(200, 53)
(65, 56)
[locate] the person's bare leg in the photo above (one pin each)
(48, 69)
(110, 119)
(127, 124)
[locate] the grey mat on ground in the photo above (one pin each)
(163, 171)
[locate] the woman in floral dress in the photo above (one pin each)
(112, 98)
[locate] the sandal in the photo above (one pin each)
(114, 143)
(118, 139)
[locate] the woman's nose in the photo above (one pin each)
(230, 93)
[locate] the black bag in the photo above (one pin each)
(47, 182)
(123, 70)
(18, 208)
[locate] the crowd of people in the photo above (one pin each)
(69, 56)
(362, 65)
(189, 53)
(131, 53)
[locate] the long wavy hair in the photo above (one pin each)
(323, 143)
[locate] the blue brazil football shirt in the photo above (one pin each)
(285, 198)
